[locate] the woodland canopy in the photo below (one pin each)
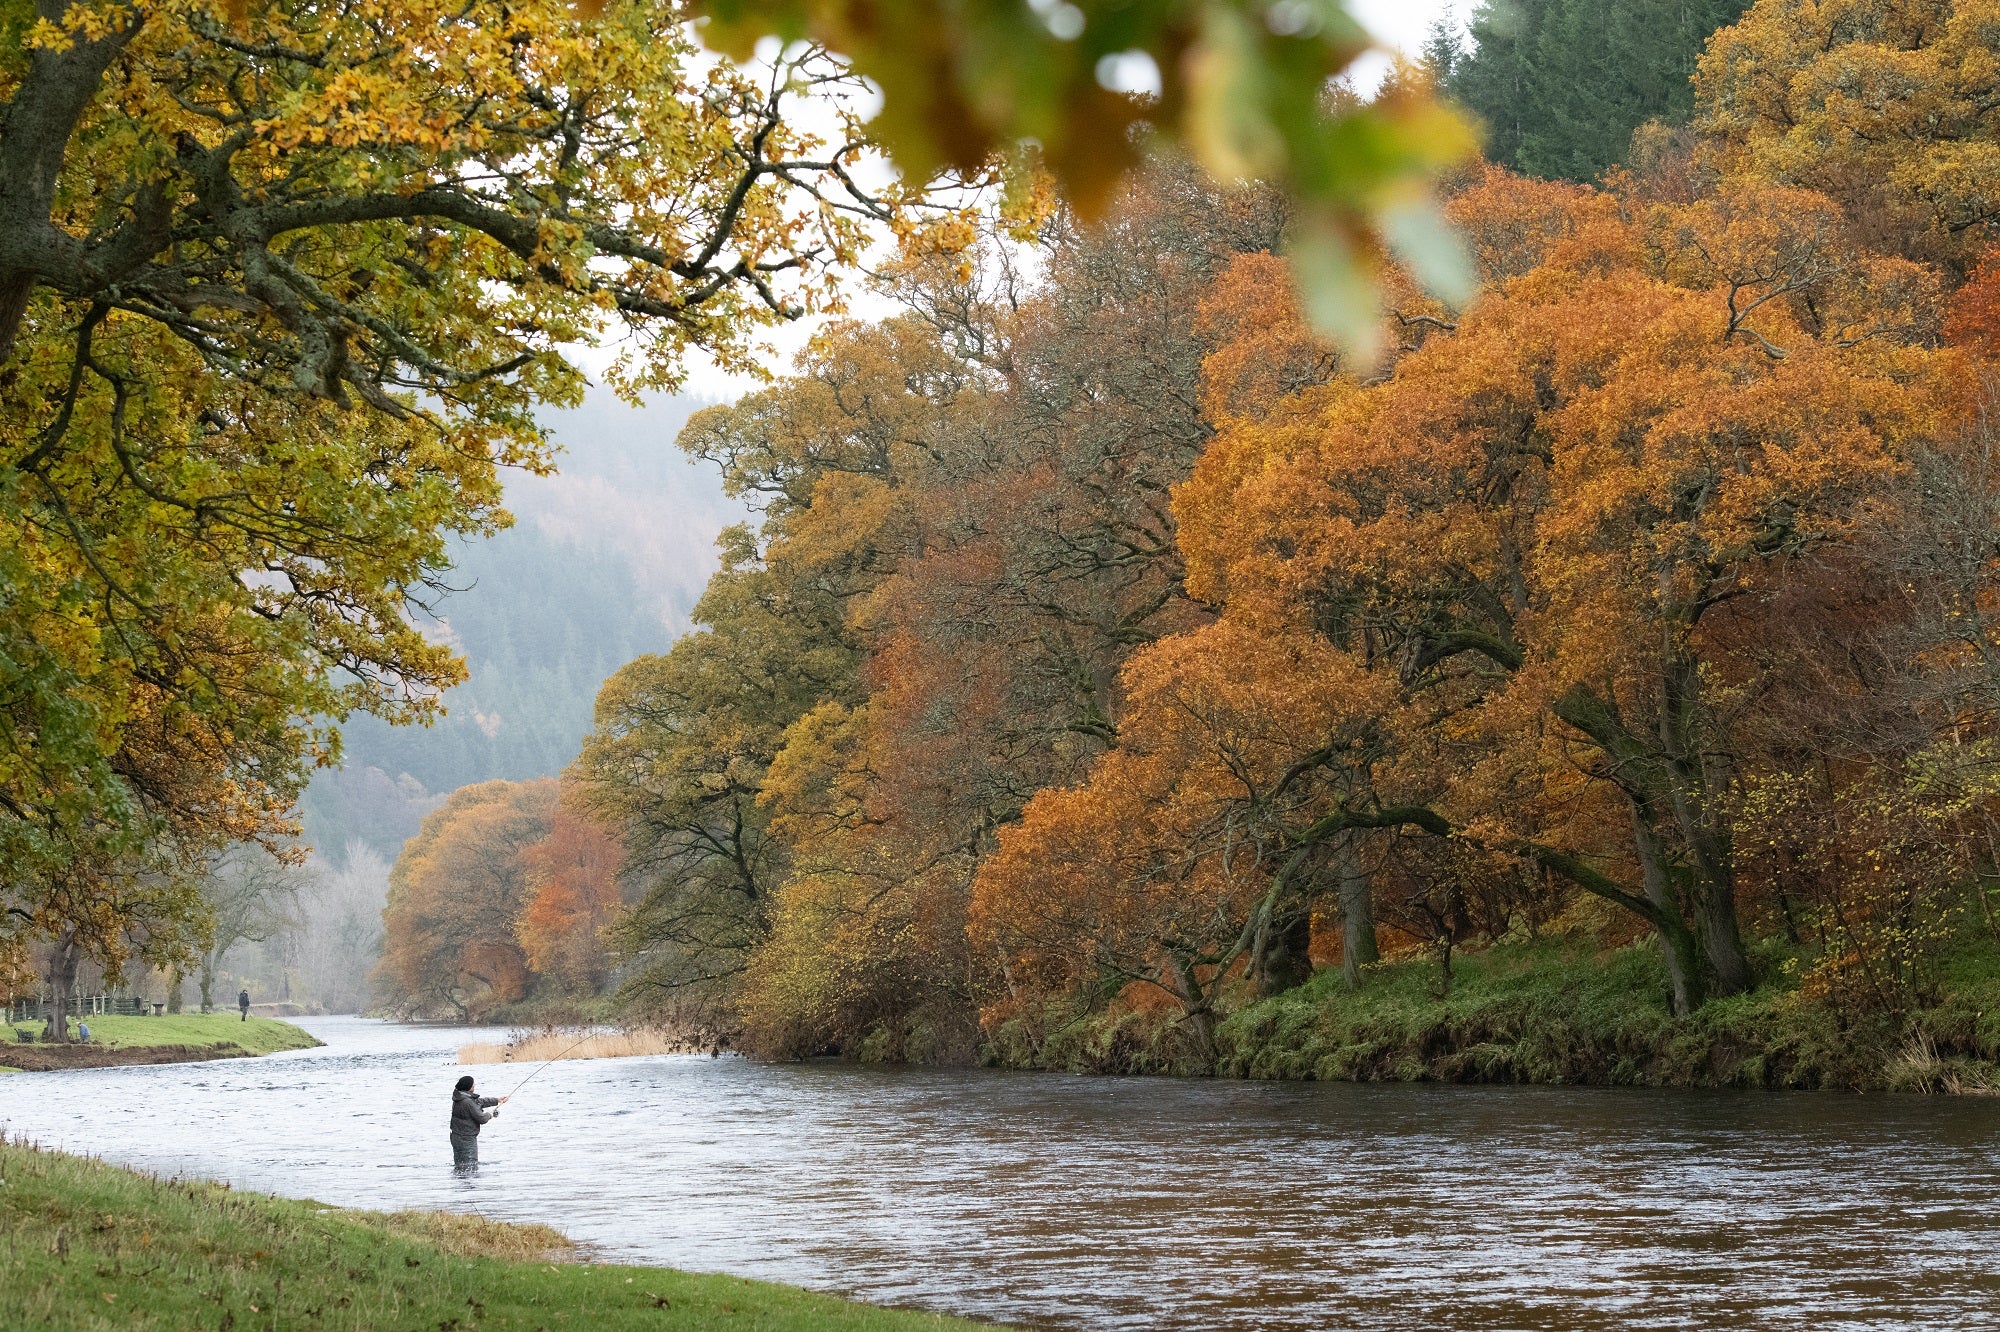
(1118, 634)
(282, 285)
(1112, 641)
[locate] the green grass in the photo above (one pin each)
(85, 1246)
(260, 1035)
(1560, 1011)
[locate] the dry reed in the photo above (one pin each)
(542, 1046)
(477, 1237)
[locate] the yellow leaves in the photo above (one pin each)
(1885, 107)
(44, 35)
(1227, 94)
(818, 785)
(406, 209)
(90, 21)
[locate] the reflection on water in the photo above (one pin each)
(1141, 1203)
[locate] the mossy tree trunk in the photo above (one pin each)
(1666, 780)
(1357, 912)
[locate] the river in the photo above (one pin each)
(1097, 1203)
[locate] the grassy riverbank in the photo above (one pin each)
(1562, 1011)
(85, 1245)
(166, 1039)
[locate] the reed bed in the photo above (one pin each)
(541, 1046)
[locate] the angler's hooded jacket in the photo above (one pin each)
(468, 1112)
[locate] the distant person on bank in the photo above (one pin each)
(468, 1111)
(243, 1005)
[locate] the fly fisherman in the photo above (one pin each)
(468, 1112)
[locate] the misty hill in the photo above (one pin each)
(604, 563)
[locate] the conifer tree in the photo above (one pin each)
(1561, 84)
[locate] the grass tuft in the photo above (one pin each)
(542, 1046)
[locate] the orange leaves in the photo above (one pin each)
(1973, 321)
(1150, 867)
(1265, 352)
(1515, 225)
(1232, 705)
(1548, 536)
(573, 872)
(449, 944)
(1586, 424)
(1786, 258)
(503, 883)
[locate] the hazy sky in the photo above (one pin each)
(1404, 22)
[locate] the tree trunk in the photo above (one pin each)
(1715, 913)
(1665, 773)
(208, 984)
(1197, 1014)
(62, 980)
(15, 289)
(42, 116)
(1723, 934)
(1685, 978)
(1277, 939)
(1789, 915)
(1280, 955)
(175, 981)
(1691, 781)
(1357, 913)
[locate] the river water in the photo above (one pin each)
(1100, 1203)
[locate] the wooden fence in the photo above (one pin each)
(80, 1005)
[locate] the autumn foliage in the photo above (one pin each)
(504, 892)
(1112, 643)
(573, 875)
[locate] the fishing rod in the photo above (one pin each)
(546, 1062)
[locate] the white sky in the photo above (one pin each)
(1403, 23)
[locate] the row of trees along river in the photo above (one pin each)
(1129, 647)
(1113, 653)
